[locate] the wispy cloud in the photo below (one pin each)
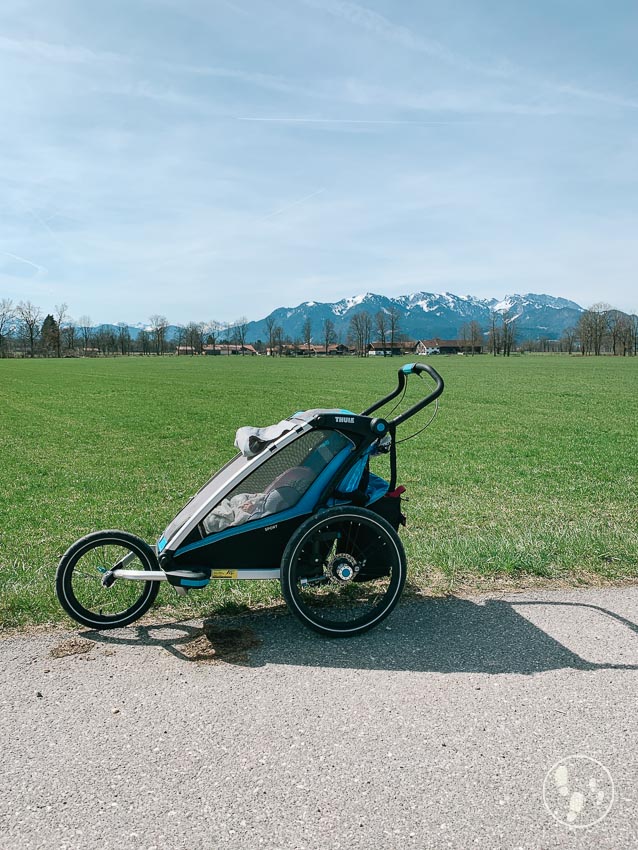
(254, 78)
(380, 26)
(181, 152)
(292, 204)
(303, 120)
(609, 98)
(38, 268)
(62, 53)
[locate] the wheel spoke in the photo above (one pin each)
(362, 572)
(81, 572)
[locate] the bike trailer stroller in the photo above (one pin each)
(297, 503)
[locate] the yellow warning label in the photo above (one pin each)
(224, 574)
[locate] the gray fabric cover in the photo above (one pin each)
(250, 441)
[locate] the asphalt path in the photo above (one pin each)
(495, 722)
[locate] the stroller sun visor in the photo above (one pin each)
(250, 441)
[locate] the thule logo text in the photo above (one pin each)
(345, 419)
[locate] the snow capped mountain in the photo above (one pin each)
(520, 304)
(427, 314)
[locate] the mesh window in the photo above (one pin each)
(279, 482)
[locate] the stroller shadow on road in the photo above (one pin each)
(443, 635)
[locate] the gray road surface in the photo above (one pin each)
(447, 728)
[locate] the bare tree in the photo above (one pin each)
(593, 327)
(306, 332)
(29, 317)
(85, 331)
(61, 316)
(271, 324)
(213, 330)
(568, 339)
(179, 337)
(7, 316)
(583, 330)
(360, 330)
(278, 337)
(328, 334)
(381, 325)
(508, 332)
(625, 335)
(464, 336)
(159, 325)
(476, 336)
(193, 337)
(123, 338)
(241, 329)
(205, 334)
(69, 333)
(144, 341)
(600, 325)
(394, 319)
(617, 326)
(494, 341)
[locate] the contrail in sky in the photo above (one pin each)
(347, 121)
(292, 204)
(37, 267)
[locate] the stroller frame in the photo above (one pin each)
(339, 559)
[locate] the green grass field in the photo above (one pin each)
(529, 470)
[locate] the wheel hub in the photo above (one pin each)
(344, 567)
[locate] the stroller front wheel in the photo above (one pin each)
(80, 586)
(343, 571)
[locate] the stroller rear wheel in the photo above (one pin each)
(343, 571)
(80, 580)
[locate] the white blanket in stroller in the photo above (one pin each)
(250, 441)
(240, 508)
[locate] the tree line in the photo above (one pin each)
(26, 331)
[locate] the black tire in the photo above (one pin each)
(343, 571)
(78, 581)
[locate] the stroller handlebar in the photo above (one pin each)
(404, 371)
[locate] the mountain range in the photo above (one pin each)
(424, 315)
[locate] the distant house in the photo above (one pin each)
(185, 349)
(229, 349)
(381, 349)
(384, 349)
(312, 350)
(427, 346)
(305, 350)
(445, 346)
(339, 350)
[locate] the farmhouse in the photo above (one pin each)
(446, 346)
(228, 349)
(312, 350)
(222, 349)
(386, 349)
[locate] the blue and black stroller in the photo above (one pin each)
(298, 503)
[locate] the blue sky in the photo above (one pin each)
(208, 159)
